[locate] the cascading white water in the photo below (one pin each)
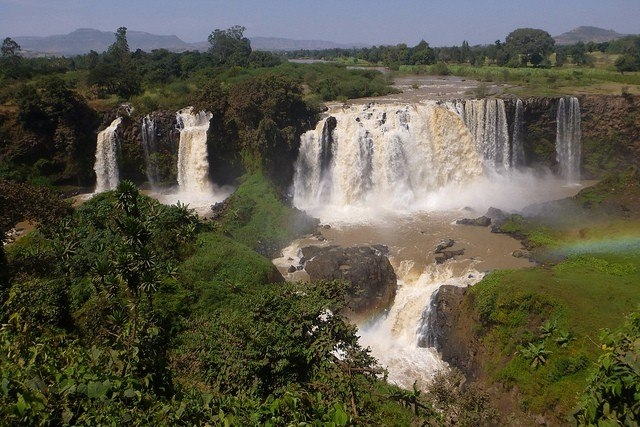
(517, 144)
(395, 338)
(398, 175)
(150, 148)
(569, 139)
(487, 122)
(387, 156)
(193, 165)
(106, 166)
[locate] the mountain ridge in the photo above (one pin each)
(587, 34)
(84, 40)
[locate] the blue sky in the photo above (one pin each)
(439, 22)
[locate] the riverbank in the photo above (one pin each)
(531, 337)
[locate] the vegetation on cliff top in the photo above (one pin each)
(538, 328)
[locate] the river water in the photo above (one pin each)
(412, 236)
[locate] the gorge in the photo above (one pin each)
(400, 175)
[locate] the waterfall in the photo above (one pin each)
(487, 122)
(193, 165)
(106, 166)
(387, 156)
(517, 145)
(150, 148)
(568, 139)
(400, 339)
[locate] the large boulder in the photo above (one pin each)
(367, 268)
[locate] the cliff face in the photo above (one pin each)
(459, 342)
(132, 159)
(610, 132)
(368, 270)
(610, 135)
(453, 331)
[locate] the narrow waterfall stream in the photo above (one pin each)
(150, 148)
(568, 139)
(517, 143)
(193, 164)
(106, 165)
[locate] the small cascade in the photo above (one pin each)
(387, 156)
(106, 166)
(399, 339)
(517, 143)
(487, 122)
(150, 148)
(193, 165)
(569, 139)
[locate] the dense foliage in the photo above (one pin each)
(52, 135)
(613, 391)
(529, 45)
(125, 313)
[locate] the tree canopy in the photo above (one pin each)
(116, 72)
(532, 45)
(10, 59)
(230, 46)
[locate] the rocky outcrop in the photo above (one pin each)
(167, 140)
(452, 331)
(442, 256)
(493, 217)
(610, 127)
(482, 221)
(367, 268)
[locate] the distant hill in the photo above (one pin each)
(84, 40)
(587, 34)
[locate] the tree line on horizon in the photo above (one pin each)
(522, 47)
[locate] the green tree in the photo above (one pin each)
(628, 62)
(230, 47)
(63, 126)
(119, 50)
(612, 396)
(578, 53)
(422, 54)
(116, 72)
(268, 114)
(465, 52)
(10, 59)
(532, 45)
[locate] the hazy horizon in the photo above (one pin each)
(348, 22)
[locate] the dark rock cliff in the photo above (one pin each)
(132, 159)
(367, 268)
(452, 330)
(610, 131)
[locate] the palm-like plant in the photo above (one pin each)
(547, 328)
(564, 338)
(535, 353)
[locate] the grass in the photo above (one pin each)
(222, 270)
(602, 79)
(581, 295)
(256, 217)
